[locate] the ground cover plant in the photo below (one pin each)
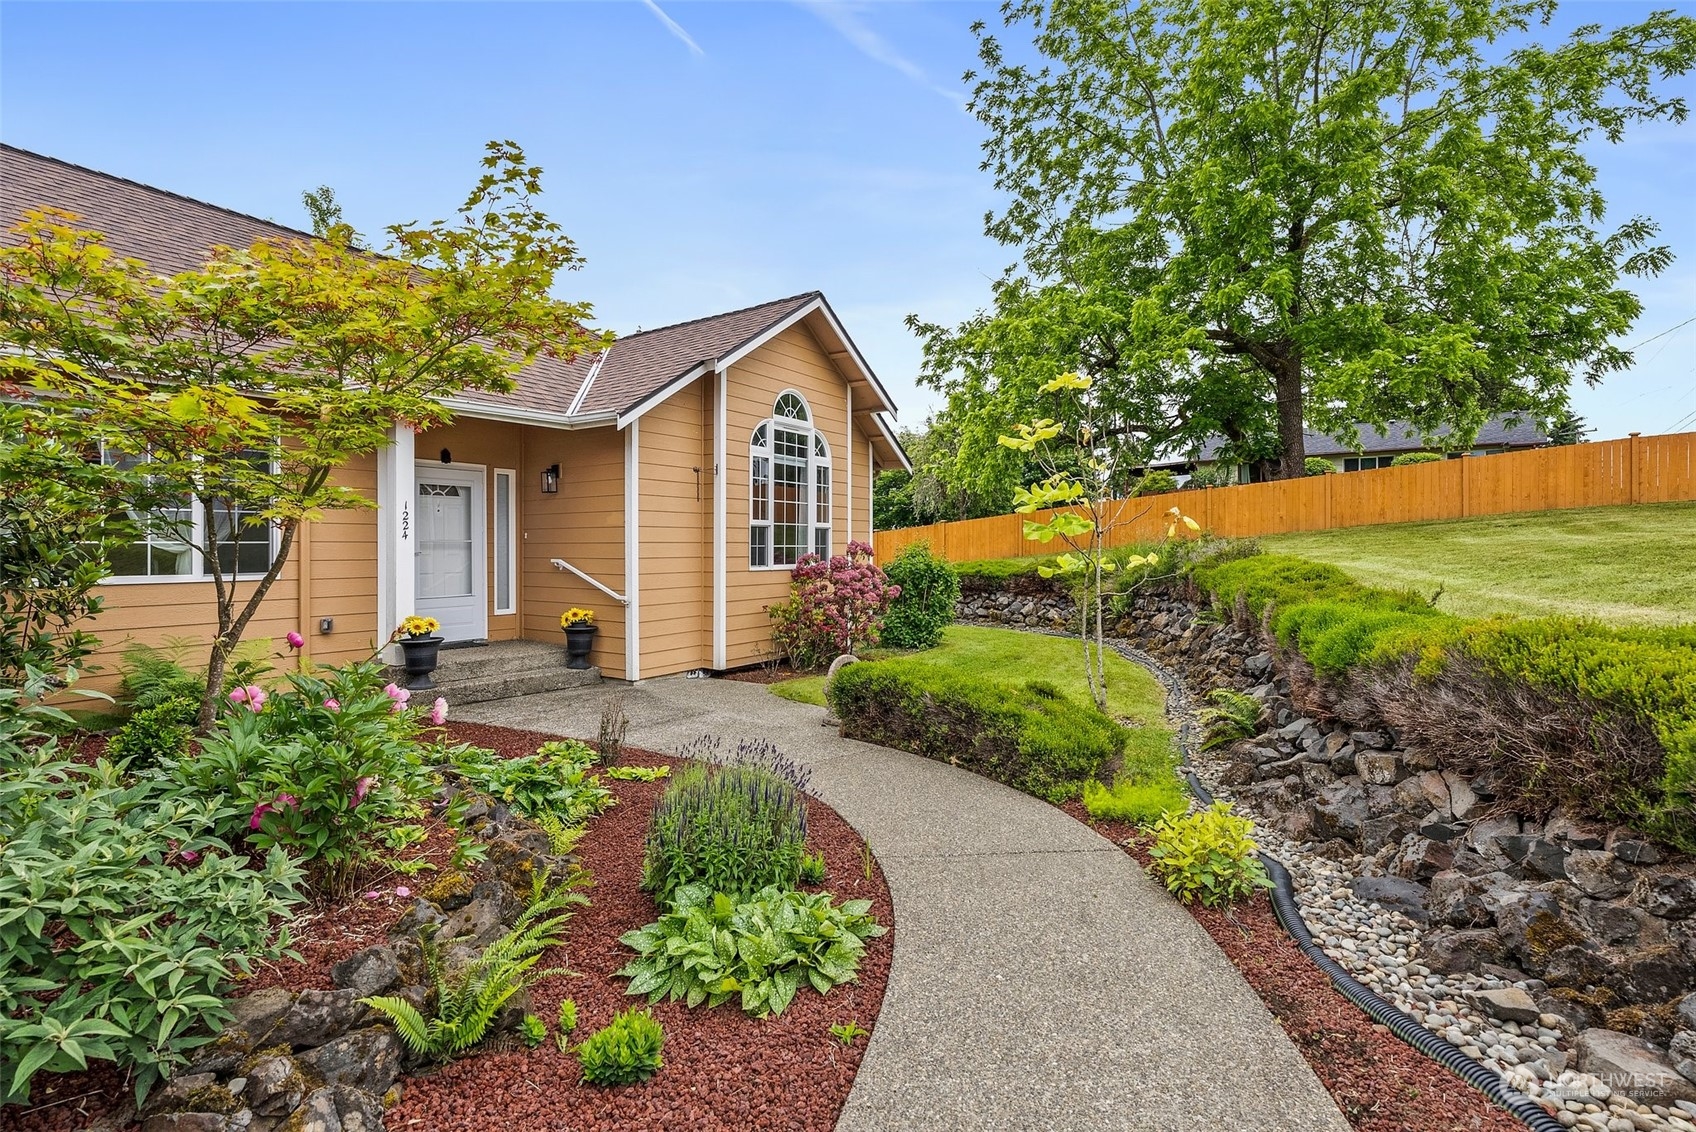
(556, 781)
(1617, 564)
(626, 1051)
(1208, 856)
(1564, 711)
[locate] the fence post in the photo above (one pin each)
(1631, 466)
(1326, 479)
(1464, 462)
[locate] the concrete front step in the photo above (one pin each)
(503, 669)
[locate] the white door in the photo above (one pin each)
(449, 553)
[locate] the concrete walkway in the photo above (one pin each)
(1040, 979)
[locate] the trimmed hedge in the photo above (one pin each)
(1029, 735)
(1564, 710)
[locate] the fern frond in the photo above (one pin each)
(408, 1022)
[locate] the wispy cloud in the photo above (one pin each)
(674, 27)
(844, 16)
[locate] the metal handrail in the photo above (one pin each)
(562, 564)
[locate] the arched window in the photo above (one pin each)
(789, 487)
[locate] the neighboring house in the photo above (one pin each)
(668, 483)
(1378, 449)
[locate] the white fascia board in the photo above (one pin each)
(515, 414)
(882, 423)
(662, 394)
(820, 306)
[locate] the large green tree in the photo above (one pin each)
(1246, 217)
(244, 385)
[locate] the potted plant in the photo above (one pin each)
(419, 647)
(579, 626)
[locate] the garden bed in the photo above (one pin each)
(1380, 1083)
(722, 1069)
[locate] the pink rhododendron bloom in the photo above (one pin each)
(294, 639)
(333, 704)
(439, 711)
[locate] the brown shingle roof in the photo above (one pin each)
(173, 233)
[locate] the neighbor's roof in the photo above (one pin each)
(1401, 436)
(173, 233)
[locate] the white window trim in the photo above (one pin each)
(511, 547)
(199, 574)
(812, 431)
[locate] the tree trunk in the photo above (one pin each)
(1287, 375)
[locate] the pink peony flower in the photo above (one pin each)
(256, 697)
(332, 705)
(238, 695)
(259, 812)
(362, 788)
(439, 711)
(190, 856)
(294, 639)
(403, 891)
(286, 801)
(373, 894)
(399, 695)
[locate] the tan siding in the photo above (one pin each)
(675, 522)
(792, 360)
(493, 444)
(584, 524)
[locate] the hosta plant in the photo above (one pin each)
(468, 999)
(624, 1052)
(1208, 856)
(710, 949)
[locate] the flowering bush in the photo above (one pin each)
(416, 626)
(316, 768)
(835, 606)
(576, 616)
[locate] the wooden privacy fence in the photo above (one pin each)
(1638, 469)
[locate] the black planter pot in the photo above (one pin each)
(418, 657)
(579, 639)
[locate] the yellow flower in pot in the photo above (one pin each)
(579, 626)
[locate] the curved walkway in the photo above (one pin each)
(1040, 979)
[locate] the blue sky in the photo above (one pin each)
(705, 155)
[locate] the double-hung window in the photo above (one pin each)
(170, 539)
(789, 487)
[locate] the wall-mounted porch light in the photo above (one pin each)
(550, 479)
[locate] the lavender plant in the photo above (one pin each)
(734, 821)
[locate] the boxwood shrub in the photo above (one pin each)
(1028, 735)
(925, 606)
(1566, 711)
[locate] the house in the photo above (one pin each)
(1378, 448)
(668, 483)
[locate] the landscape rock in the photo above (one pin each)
(1420, 858)
(1340, 810)
(1371, 740)
(421, 915)
(1452, 950)
(1668, 895)
(1510, 1004)
(1631, 1066)
(1393, 893)
(255, 1014)
(318, 1016)
(1458, 900)
(1597, 873)
(1681, 1051)
(1536, 856)
(366, 1059)
(369, 971)
(275, 1085)
(478, 923)
(186, 1122)
(1380, 768)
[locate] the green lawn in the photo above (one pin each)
(1612, 563)
(1133, 695)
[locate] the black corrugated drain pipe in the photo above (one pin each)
(1404, 1026)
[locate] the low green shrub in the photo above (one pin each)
(1208, 856)
(555, 781)
(532, 1031)
(1407, 458)
(925, 606)
(627, 1051)
(1318, 466)
(638, 773)
(1155, 483)
(154, 735)
(735, 828)
(467, 999)
(1027, 735)
(124, 916)
(813, 868)
(709, 948)
(1140, 803)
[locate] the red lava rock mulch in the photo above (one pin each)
(723, 1069)
(1380, 1083)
